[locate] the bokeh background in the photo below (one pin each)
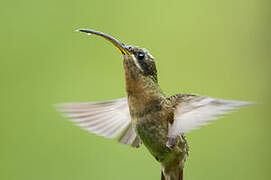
(214, 48)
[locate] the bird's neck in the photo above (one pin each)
(142, 91)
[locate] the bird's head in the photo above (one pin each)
(138, 62)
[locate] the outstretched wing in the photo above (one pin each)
(106, 119)
(192, 111)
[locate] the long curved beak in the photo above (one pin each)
(123, 49)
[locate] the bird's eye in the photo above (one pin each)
(140, 56)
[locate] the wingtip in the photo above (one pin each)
(246, 103)
(59, 107)
(236, 103)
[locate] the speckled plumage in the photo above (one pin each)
(147, 116)
(151, 113)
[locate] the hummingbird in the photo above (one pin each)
(147, 116)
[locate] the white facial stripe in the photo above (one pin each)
(152, 58)
(136, 63)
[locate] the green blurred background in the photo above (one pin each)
(214, 48)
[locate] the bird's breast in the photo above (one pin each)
(153, 133)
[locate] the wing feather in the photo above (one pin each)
(192, 112)
(129, 137)
(106, 119)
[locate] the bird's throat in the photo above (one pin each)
(141, 90)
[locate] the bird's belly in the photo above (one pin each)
(153, 134)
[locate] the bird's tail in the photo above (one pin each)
(172, 175)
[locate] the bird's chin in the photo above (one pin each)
(127, 57)
(128, 60)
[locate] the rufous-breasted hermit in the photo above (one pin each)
(147, 116)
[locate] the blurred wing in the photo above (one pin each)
(129, 137)
(193, 111)
(106, 119)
